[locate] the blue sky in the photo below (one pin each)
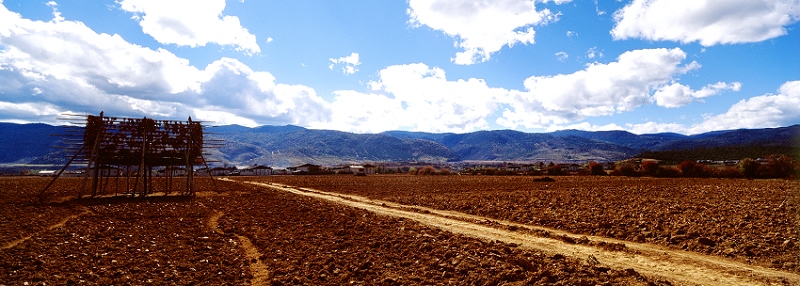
(685, 66)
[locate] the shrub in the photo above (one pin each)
(650, 168)
(780, 166)
(596, 169)
(427, 170)
(554, 170)
(691, 169)
(728, 172)
(625, 169)
(749, 167)
(667, 172)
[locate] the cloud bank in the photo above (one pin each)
(708, 22)
(63, 66)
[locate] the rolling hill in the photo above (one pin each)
(282, 146)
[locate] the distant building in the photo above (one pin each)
(224, 171)
(107, 171)
(171, 172)
(47, 173)
(256, 170)
(369, 169)
(569, 167)
(305, 168)
(511, 167)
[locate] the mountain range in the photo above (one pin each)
(282, 146)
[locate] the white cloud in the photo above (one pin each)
(223, 118)
(764, 111)
(417, 97)
(367, 113)
(586, 126)
(349, 64)
(654, 127)
(594, 53)
(69, 67)
(191, 23)
(708, 22)
(677, 95)
(558, 2)
(562, 56)
(481, 27)
(600, 89)
(597, 9)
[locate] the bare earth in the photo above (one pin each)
(679, 266)
(405, 230)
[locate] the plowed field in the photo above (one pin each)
(755, 221)
(250, 234)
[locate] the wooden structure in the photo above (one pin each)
(135, 146)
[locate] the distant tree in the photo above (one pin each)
(650, 168)
(554, 170)
(667, 172)
(691, 169)
(728, 172)
(778, 166)
(596, 169)
(626, 169)
(749, 167)
(427, 170)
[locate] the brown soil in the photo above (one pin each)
(242, 234)
(677, 266)
(752, 221)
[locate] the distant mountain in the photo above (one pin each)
(25, 143)
(624, 138)
(782, 136)
(507, 145)
(289, 145)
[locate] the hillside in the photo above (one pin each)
(282, 146)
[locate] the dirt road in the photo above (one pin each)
(679, 267)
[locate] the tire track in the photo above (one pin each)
(681, 267)
(61, 223)
(258, 269)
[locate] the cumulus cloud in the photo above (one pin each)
(367, 113)
(600, 89)
(769, 110)
(708, 22)
(417, 97)
(191, 23)
(349, 64)
(64, 66)
(481, 27)
(764, 111)
(677, 95)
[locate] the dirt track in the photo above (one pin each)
(678, 266)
